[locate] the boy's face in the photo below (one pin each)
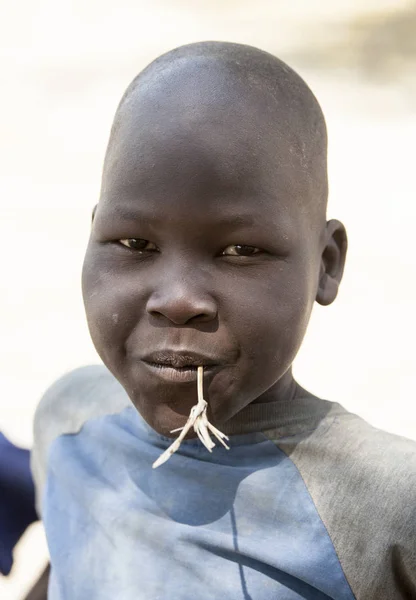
(203, 251)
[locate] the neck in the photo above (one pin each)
(283, 404)
(283, 390)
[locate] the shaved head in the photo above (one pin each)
(243, 90)
(240, 92)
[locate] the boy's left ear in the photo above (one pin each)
(332, 262)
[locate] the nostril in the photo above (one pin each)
(180, 318)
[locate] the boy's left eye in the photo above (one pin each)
(240, 250)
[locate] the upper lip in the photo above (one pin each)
(181, 358)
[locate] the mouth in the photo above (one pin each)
(181, 366)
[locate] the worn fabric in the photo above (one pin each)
(311, 503)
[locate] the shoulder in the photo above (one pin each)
(80, 395)
(363, 483)
(381, 460)
(349, 448)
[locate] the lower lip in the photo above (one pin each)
(173, 375)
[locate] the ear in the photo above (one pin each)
(94, 210)
(332, 262)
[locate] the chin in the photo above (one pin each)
(163, 419)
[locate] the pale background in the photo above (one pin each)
(64, 65)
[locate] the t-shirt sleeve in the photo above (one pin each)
(363, 483)
(75, 398)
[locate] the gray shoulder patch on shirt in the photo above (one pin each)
(363, 483)
(78, 396)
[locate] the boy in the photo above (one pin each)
(209, 246)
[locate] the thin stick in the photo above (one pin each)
(200, 383)
(174, 447)
(199, 421)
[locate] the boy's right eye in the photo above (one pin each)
(139, 244)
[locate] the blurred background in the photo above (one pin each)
(64, 66)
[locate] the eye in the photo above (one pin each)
(240, 250)
(139, 244)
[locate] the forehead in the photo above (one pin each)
(196, 138)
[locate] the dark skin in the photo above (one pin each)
(209, 238)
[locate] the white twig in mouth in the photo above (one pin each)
(199, 421)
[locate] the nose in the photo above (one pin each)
(182, 301)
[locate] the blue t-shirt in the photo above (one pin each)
(310, 502)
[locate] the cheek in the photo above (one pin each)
(273, 316)
(111, 309)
